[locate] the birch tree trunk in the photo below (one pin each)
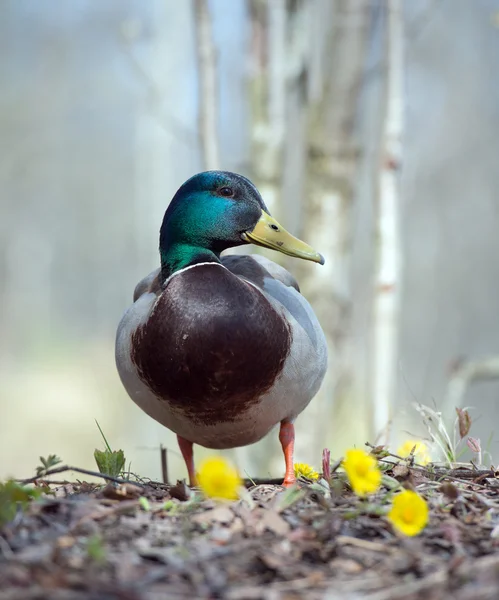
(333, 161)
(309, 64)
(268, 90)
(207, 77)
(166, 153)
(387, 233)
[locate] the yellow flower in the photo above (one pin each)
(421, 454)
(362, 470)
(218, 478)
(304, 470)
(409, 513)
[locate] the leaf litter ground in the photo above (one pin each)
(148, 541)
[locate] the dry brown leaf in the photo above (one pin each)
(450, 490)
(273, 561)
(474, 445)
(237, 525)
(401, 471)
(124, 491)
(346, 565)
(65, 541)
(272, 521)
(181, 491)
(221, 514)
(464, 422)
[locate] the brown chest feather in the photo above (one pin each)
(212, 346)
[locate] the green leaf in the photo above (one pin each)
(103, 436)
(169, 506)
(95, 549)
(47, 463)
(144, 502)
(13, 495)
(289, 497)
(110, 462)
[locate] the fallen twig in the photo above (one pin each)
(65, 468)
(249, 483)
(346, 540)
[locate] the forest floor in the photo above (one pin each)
(148, 541)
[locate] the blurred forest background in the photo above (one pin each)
(371, 128)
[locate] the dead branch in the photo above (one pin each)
(463, 375)
(65, 468)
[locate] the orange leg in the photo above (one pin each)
(186, 449)
(287, 439)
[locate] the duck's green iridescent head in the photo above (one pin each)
(216, 210)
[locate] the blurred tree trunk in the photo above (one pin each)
(166, 139)
(167, 151)
(308, 63)
(268, 97)
(332, 165)
(386, 303)
(207, 77)
(308, 66)
(268, 104)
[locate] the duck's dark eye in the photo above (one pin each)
(274, 227)
(226, 191)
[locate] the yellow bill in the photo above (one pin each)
(269, 234)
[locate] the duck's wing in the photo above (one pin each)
(279, 285)
(256, 267)
(149, 284)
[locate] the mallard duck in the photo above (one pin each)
(220, 349)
